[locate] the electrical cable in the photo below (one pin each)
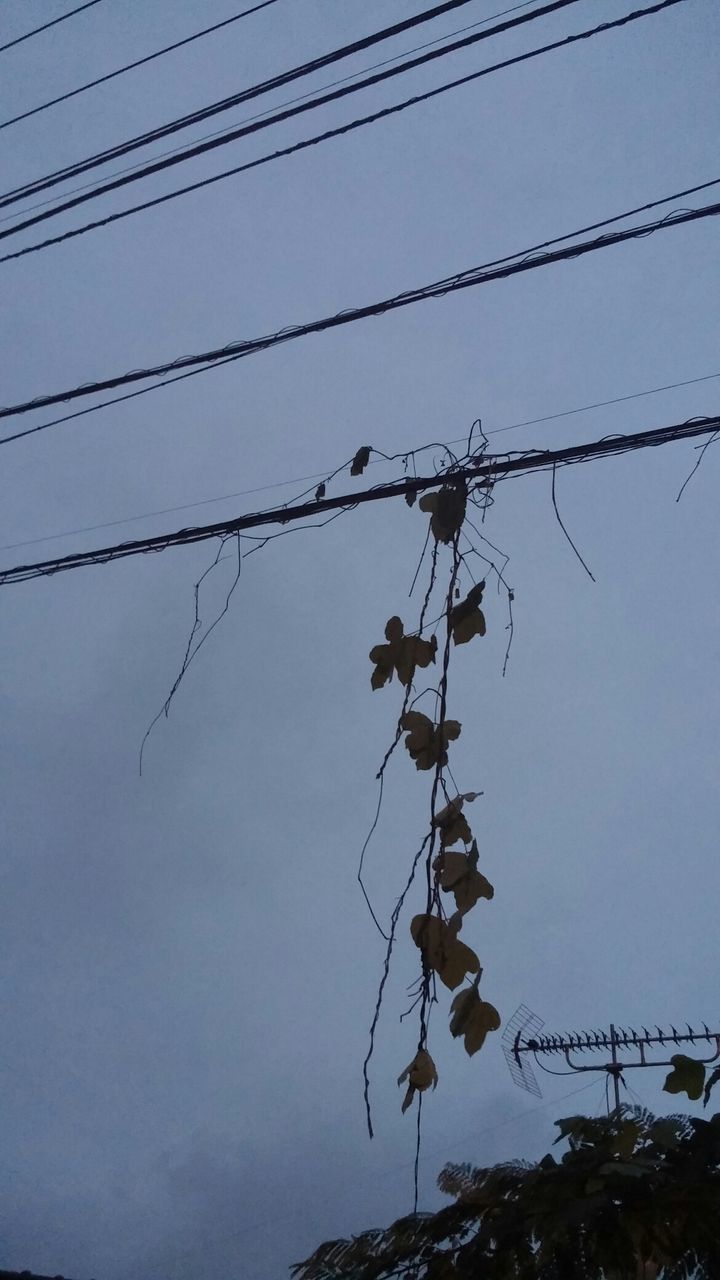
(36, 32)
(217, 133)
(339, 131)
(493, 468)
(200, 148)
(224, 104)
(530, 261)
(130, 66)
(319, 475)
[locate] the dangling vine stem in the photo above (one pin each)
(447, 869)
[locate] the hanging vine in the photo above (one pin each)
(448, 854)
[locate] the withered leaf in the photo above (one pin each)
(452, 823)
(402, 654)
(466, 619)
(360, 461)
(442, 950)
(427, 742)
(411, 497)
(472, 1018)
(454, 830)
(447, 511)
(420, 1075)
(458, 874)
(687, 1076)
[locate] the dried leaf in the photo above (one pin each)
(455, 830)
(687, 1076)
(427, 742)
(447, 511)
(420, 1075)
(472, 1018)
(320, 491)
(451, 821)
(360, 461)
(466, 619)
(442, 950)
(411, 497)
(458, 874)
(402, 654)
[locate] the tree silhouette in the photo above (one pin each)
(633, 1197)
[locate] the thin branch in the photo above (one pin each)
(477, 424)
(386, 970)
(700, 457)
(416, 1171)
(420, 562)
(562, 526)
(368, 838)
(190, 652)
(510, 629)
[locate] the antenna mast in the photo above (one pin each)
(522, 1042)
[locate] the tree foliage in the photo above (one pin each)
(632, 1198)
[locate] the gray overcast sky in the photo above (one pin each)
(189, 968)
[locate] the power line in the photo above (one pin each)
(36, 32)
(354, 75)
(200, 148)
(463, 280)
(130, 66)
(245, 95)
(328, 134)
(319, 475)
(494, 468)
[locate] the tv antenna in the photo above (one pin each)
(628, 1050)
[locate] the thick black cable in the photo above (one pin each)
(223, 104)
(216, 133)
(36, 32)
(41, 184)
(439, 288)
(494, 468)
(322, 475)
(283, 152)
(130, 66)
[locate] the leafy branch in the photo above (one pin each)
(449, 851)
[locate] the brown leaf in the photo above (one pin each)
(427, 742)
(466, 619)
(442, 950)
(360, 461)
(469, 889)
(402, 654)
(458, 874)
(472, 1018)
(420, 1075)
(455, 830)
(447, 511)
(452, 823)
